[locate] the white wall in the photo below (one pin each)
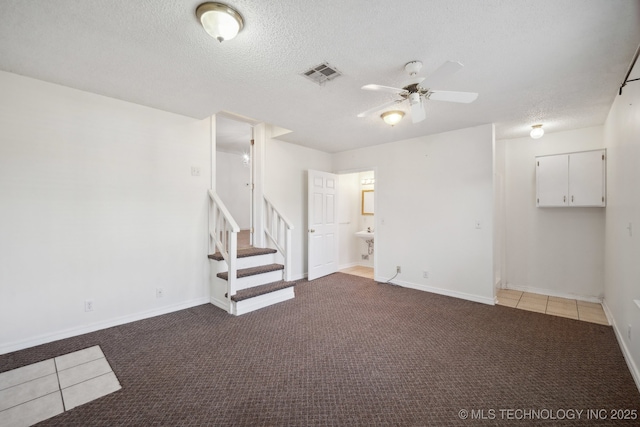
(622, 248)
(554, 251)
(429, 193)
(233, 180)
(285, 176)
(97, 202)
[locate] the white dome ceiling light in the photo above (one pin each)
(219, 20)
(392, 117)
(536, 131)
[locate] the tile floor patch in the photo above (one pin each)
(32, 412)
(555, 306)
(89, 390)
(359, 271)
(83, 372)
(78, 357)
(27, 373)
(36, 392)
(27, 391)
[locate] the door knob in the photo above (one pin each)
(311, 230)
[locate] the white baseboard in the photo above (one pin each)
(72, 332)
(440, 291)
(299, 277)
(349, 265)
(633, 368)
(223, 304)
(552, 293)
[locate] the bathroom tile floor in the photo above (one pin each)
(42, 390)
(555, 306)
(359, 270)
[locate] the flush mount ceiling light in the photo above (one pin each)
(536, 131)
(392, 117)
(219, 20)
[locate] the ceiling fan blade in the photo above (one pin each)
(417, 112)
(380, 88)
(445, 95)
(440, 75)
(378, 108)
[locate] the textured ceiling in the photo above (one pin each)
(558, 62)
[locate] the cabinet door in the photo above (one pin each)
(552, 177)
(587, 178)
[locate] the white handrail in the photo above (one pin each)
(278, 228)
(223, 238)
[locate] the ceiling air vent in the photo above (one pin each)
(321, 73)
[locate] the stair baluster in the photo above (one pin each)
(223, 238)
(278, 228)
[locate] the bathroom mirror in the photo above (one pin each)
(367, 202)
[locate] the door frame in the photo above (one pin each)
(377, 221)
(257, 155)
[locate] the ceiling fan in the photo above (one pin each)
(418, 89)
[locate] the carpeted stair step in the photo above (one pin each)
(245, 272)
(246, 252)
(261, 290)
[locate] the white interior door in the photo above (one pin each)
(322, 232)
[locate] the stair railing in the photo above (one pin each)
(223, 238)
(278, 229)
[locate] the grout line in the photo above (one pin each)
(83, 363)
(64, 407)
(24, 382)
(35, 398)
(89, 379)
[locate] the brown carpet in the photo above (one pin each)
(351, 352)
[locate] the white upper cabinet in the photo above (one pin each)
(552, 176)
(575, 179)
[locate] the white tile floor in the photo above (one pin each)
(45, 389)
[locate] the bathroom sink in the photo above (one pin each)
(365, 235)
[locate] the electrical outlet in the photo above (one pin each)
(159, 292)
(398, 269)
(629, 332)
(425, 274)
(195, 171)
(88, 305)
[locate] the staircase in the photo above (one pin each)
(248, 279)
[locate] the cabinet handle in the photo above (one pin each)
(564, 199)
(571, 199)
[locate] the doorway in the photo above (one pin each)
(356, 217)
(234, 173)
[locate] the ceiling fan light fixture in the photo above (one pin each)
(392, 117)
(536, 131)
(222, 22)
